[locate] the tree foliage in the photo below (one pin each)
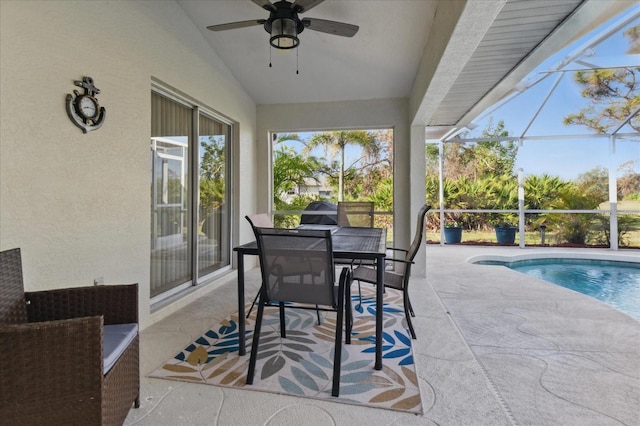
(573, 227)
(478, 175)
(367, 177)
(334, 144)
(292, 170)
(613, 94)
(491, 157)
(594, 183)
(629, 182)
(540, 191)
(212, 174)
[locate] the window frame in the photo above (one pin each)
(200, 109)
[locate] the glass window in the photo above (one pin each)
(170, 137)
(180, 228)
(213, 220)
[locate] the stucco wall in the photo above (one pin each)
(78, 204)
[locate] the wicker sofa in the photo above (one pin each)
(52, 365)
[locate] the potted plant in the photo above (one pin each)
(506, 233)
(452, 233)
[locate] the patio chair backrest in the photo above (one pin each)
(13, 308)
(297, 265)
(355, 214)
(405, 269)
(260, 220)
(417, 239)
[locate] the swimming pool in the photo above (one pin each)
(615, 283)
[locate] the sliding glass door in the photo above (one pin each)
(189, 195)
(213, 217)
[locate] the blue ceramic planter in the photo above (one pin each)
(506, 234)
(453, 235)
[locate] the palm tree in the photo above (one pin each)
(334, 144)
(292, 170)
(541, 190)
(573, 227)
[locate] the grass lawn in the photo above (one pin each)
(489, 237)
(631, 239)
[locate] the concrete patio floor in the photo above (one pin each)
(495, 347)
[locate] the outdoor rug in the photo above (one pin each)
(302, 363)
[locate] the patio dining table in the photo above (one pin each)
(348, 244)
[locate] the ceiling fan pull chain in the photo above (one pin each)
(269, 56)
(297, 62)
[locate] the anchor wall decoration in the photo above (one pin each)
(84, 109)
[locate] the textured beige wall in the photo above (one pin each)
(78, 204)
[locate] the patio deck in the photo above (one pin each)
(494, 347)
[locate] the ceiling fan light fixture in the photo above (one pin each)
(284, 34)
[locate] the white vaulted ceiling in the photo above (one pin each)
(451, 58)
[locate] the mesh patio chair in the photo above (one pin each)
(399, 278)
(258, 220)
(69, 356)
(263, 220)
(357, 214)
(297, 267)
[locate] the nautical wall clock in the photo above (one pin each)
(84, 110)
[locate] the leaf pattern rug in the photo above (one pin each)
(302, 363)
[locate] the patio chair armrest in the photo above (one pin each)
(400, 261)
(118, 304)
(398, 249)
(51, 372)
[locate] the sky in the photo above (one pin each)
(563, 158)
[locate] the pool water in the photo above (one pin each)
(615, 283)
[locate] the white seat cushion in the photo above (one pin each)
(117, 338)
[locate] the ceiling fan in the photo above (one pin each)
(284, 24)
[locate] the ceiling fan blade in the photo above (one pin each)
(303, 5)
(331, 27)
(234, 25)
(265, 4)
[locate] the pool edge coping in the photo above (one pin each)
(612, 257)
